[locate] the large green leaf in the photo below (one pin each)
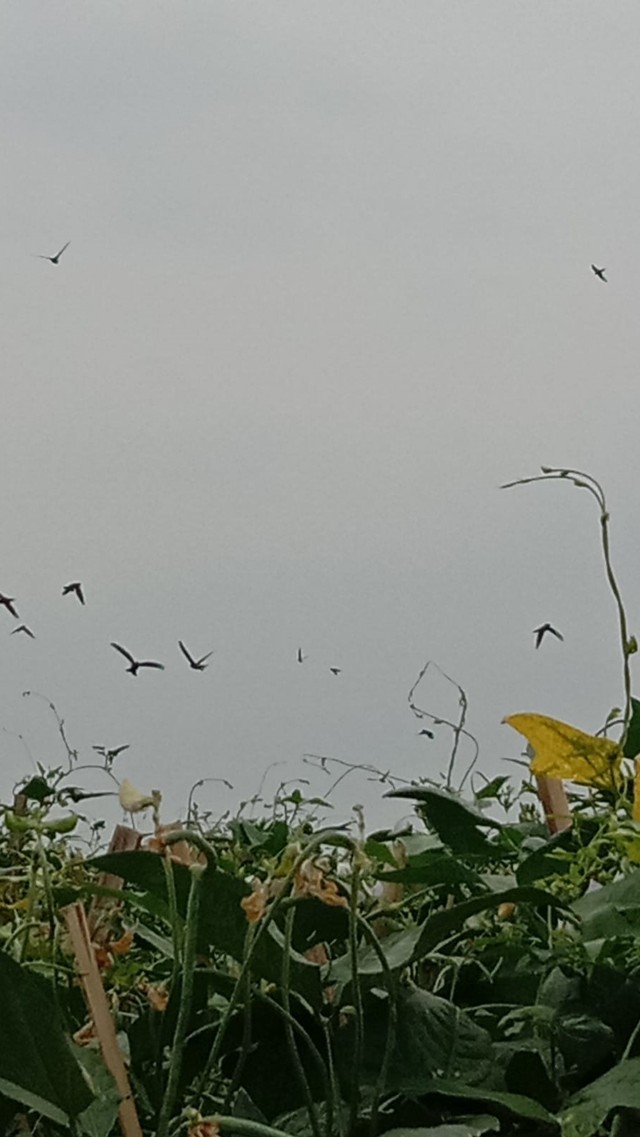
(502, 1104)
(465, 1127)
(412, 944)
(619, 1088)
(37, 1067)
(613, 910)
(458, 825)
(433, 1038)
(432, 868)
(223, 924)
(448, 920)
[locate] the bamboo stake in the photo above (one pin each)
(76, 921)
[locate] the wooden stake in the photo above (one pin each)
(554, 802)
(123, 840)
(103, 1025)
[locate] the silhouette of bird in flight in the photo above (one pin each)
(136, 664)
(541, 632)
(600, 272)
(23, 628)
(8, 603)
(195, 664)
(335, 670)
(301, 656)
(429, 733)
(74, 587)
(54, 260)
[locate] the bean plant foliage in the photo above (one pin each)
(473, 970)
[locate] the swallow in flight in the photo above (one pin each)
(600, 273)
(196, 664)
(8, 603)
(335, 670)
(541, 632)
(54, 260)
(23, 628)
(301, 656)
(136, 664)
(74, 587)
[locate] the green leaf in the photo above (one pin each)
(99, 1118)
(511, 1105)
(408, 946)
(613, 910)
(432, 868)
(441, 924)
(37, 1067)
(433, 1038)
(37, 789)
(631, 746)
(458, 825)
(619, 1088)
(492, 788)
(465, 1127)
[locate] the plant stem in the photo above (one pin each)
(186, 996)
(244, 1126)
(328, 1085)
(358, 1045)
(392, 1022)
(291, 1042)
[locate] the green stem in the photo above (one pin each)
(186, 996)
(291, 1042)
(246, 1031)
(336, 1095)
(392, 1023)
(358, 1046)
(177, 933)
(325, 1069)
(244, 1126)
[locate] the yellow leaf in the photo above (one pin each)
(563, 751)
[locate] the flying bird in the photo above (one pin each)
(136, 664)
(23, 628)
(195, 664)
(74, 587)
(540, 633)
(54, 260)
(8, 603)
(429, 733)
(301, 656)
(335, 670)
(600, 272)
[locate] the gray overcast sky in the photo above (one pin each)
(328, 286)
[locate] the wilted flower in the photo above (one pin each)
(310, 880)
(254, 905)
